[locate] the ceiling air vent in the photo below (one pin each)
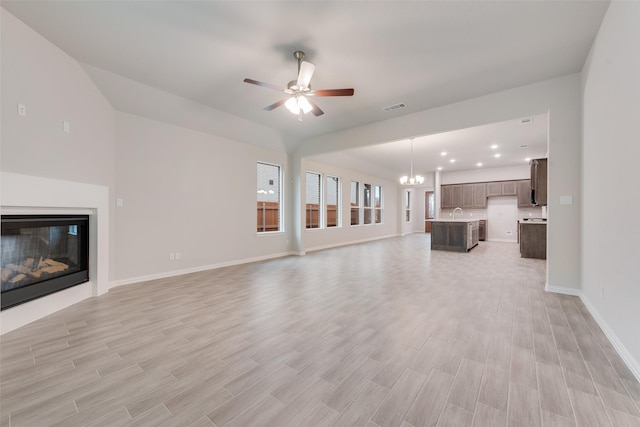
(395, 106)
(526, 120)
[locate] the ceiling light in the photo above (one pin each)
(439, 168)
(411, 180)
(496, 155)
(479, 164)
(298, 105)
(494, 146)
(528, 159)
(444, 153)
(452, 161)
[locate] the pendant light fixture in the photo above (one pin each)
(411, 179)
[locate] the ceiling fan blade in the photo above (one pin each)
(305, 74)
(267, 85)
(275, 105)
(316, 110)
(331, 92)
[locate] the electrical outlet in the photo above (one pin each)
(178, 255)
(66, 126)
(172, 256)
(22, 110)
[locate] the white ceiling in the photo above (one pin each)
(422, 53)
(515, 144)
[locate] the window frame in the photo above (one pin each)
(320, 223)
(407, 206)
(281, 219)
(338, 205)
(358, 206)
(377, 207)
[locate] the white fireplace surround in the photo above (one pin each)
(25, 195)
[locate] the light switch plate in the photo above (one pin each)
(566, 200)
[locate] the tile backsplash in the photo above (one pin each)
(532, 212)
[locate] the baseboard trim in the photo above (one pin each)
(353, 242)
(174, 273)
(560, 290)
(628, 359)
(622, 351)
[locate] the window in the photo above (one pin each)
(313, 185)
(367, 204)
(269, 198)
(407, 206)
(377, 203)
(333, 202)
(355, 203)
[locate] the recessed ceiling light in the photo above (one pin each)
(479, 164)
(439, 168)
(527, 159)
(452, 160)
(444, 153)
(496, 155)
(494, 146)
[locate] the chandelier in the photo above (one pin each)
(411, 179)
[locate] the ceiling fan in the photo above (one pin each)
(299, 90)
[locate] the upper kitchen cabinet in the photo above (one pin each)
(457, 196)
(479, 195)
(466, 196)
(508, 188)
(446, 196)
(501, 188)
(494, 189)
(524, 194)
(538, 182)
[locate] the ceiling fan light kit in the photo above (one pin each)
(300, 89)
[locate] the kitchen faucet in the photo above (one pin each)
(454, 212)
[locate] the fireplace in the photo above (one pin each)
(42, 254)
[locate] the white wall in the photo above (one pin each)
(54, 88)
(348, 234)
(189, 192)
(611, 149)
(486, 174)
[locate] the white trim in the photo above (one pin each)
(560, 290)
(622, 351)
(174, 273)
(628, 359)
(501, 240)
(353, 242)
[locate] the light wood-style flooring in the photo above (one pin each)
(381, 334)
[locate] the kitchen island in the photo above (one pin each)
(457, 235)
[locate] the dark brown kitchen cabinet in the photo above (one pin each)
(524, 194)
(509, 188)
(467, 196)
(446, 196)
(494, 189)
(479, 195)
(533, 240)
(457, 196)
